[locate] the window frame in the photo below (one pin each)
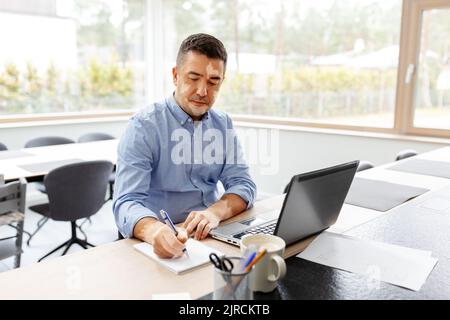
(409, 54)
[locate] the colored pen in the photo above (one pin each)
(249, 260)
(247, 256)
(257, 258)
(169, 222)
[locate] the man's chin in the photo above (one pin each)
(199, 111)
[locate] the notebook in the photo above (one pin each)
(198, 256)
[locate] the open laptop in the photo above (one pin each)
(312, 204)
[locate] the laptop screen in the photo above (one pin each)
(313, 201)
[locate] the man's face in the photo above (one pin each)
(197, 80)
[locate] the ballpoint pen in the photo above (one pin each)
(168, 221)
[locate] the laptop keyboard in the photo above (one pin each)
(267, 229)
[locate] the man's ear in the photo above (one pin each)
(174, 75)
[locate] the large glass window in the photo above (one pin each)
(325, 63)
(432, 88)
(329, 61)
(71, 55)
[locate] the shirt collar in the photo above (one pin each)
(179, 113)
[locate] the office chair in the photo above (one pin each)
(47, 141)
(364, 165)
(405, 154)
(99, 136)
(94, 136)
(39, 185)
(12, 209)
(3, 147)
(75, 191)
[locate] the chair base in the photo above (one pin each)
(73, 240)
(44, 220)
(111, 190)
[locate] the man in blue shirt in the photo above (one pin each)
(173, 154)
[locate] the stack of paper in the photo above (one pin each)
(198, 255)
(397, 265)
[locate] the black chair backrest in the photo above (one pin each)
(47, 141)
(3, 147)
(77, 190)
(405, 154)
(12, 196)
(95, 136)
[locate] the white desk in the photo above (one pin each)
(97, 150)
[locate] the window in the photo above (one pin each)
(327, 61)
(61, 56)
(432, 89)
(371, 65)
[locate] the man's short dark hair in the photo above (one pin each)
(205, 44)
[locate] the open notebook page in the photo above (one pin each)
(198, 256)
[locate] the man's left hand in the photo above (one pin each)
(201, 222)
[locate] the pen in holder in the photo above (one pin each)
(231, 283)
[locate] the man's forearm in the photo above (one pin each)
(228, 206)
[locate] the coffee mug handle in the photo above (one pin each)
(281, 268)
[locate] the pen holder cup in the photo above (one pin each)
(232, 285)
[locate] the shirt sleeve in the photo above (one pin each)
(133, 176)
(235, 175)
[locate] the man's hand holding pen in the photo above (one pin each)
(166, 243)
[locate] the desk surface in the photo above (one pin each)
(404, 226)
(117, 271)
(11, 161)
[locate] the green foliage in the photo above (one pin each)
(105, 80)
(100, 85)
(34, 83)
(309, 92)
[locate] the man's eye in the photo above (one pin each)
(194, 79)
(213, 83)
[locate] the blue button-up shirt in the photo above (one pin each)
(167, 161)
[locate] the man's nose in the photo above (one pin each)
(202, 90)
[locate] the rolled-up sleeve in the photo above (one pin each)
(235, 175)
(133, 176)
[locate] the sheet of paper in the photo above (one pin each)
(198, 255)
(172, 296)
(405, 267)
(353, 216)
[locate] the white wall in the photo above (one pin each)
(293, 151)
(301, 151)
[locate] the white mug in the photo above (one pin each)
(271, 267)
